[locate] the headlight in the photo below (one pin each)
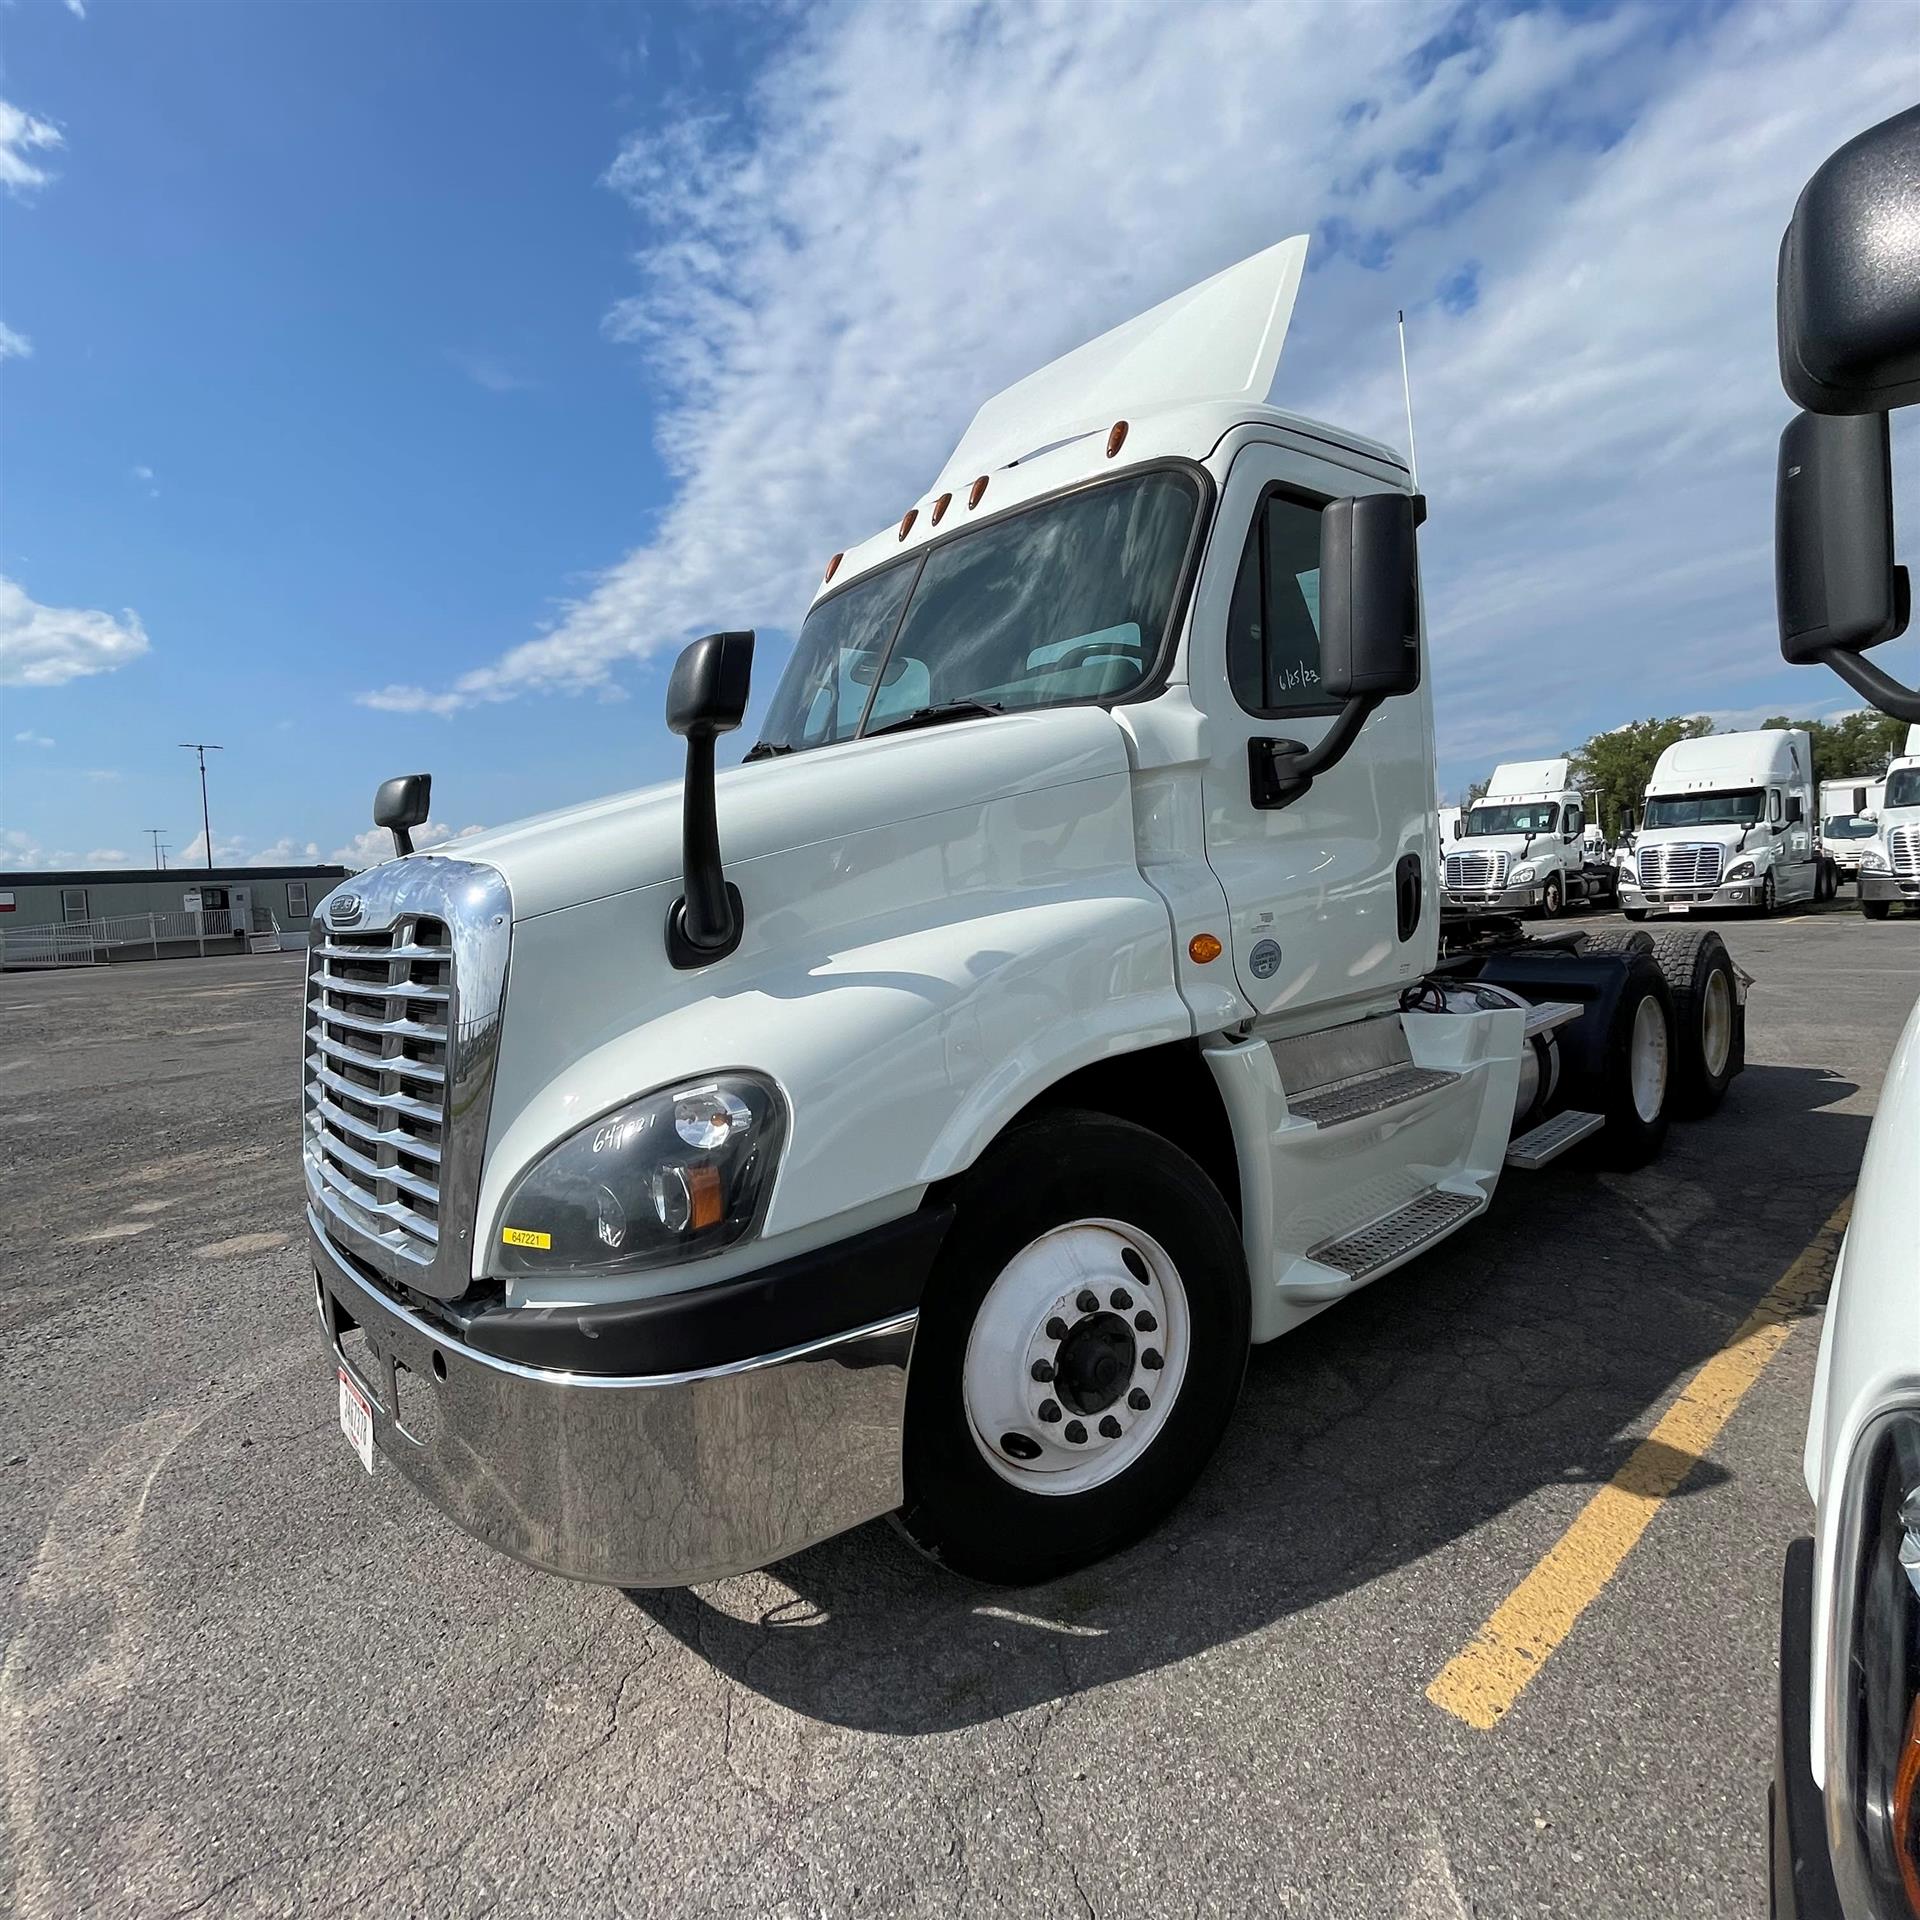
(1740, 870)
(679, 1173)
(1872, 860)
(1521, 875)
(1873, 1675)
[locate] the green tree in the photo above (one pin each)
(1616, 765)
(1476, 792)
(1856, 743)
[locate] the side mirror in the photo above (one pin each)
(706, 697)
(1369, 635)
(400, 805)
(1849, 286)
(1838, 588)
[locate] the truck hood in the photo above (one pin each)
(1759, 840)
(1511, 844)
(611, 846)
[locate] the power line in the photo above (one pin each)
(203, 748)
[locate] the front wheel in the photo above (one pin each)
(1080, 1349)
(1551, 898)
(1634, 913)
(1763, 907)
(1876, 909)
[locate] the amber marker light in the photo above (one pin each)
(940, 507)
(833, 567)
(976, 490)
(1117, 438)
(906, 521)
(1202, 948)
(1906, 1834)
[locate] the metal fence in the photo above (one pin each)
(86, 943)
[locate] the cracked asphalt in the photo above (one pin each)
(242, 1677)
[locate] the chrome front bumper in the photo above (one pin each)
(1743, 893)
(1503, 900)
(646, 1481)
(1890, 886)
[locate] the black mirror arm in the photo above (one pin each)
(1876, 688)
(707, 921)
(1280, 771)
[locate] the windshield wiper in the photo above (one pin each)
(765, 750)
(933, 716)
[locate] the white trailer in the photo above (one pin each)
(1845, 1814)
(1727, 823)
(1523, 845)
(925, 1115)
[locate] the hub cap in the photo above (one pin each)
(1716, 1024)
(1647, 1060)
(1076, 1357)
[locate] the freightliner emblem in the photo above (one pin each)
(345, 909)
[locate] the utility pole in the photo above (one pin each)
(203, 748)
(159, 852)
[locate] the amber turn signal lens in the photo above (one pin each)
(703, 1190)
(1202, 948)
(1117, 438)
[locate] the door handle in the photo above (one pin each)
(1407, 892)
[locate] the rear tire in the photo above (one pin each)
(1634, 1084)
(1070, 1208)
(1709, 1023)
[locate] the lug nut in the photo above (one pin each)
(1056, 1328)
(1134, 1264)
(1144, 1322)
(1049, 1411)
(1110, 1427)
(1022, 1446)
(1122, 1300)
(1151, 1360)
(1089, 1301)
(1074, 1431)
(1043, 1371)
(1138, 1400)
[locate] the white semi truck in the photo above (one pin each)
(924, 1116)
(1845, 1804)
(1522, 845)
(1727, 823)
(1889, 869)
(1848, 820)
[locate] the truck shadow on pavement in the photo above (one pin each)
(1524, 1354)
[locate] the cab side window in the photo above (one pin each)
(1273, 624)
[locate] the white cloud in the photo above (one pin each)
(108, 857)
(28, 738)
(20, 852)
(48, 646)
(905, 217)
(78, 8)
(14, 346)
(141, 473)
(490, 372)
(368, 849)
(21, 137)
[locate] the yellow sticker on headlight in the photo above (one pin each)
(520, 1237)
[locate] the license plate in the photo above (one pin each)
(356, 1420)
(1673, 909)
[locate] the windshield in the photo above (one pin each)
(1903, 788)
(1065, 601)
(1847, 826)
(1529, 816)
(1735, 809)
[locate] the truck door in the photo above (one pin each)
(1332, 899)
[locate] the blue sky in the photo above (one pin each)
(413, 379)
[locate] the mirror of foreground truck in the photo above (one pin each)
(1845, 1806)
(1077, 1007)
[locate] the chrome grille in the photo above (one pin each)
(1476, 872)
(377, 1042)
(1903, 851)
(1691, 867)
(406, 971)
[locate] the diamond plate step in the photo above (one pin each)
(1364, 1093)
(1551, 1138)
(1431, 1216)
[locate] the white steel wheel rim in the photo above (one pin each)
(1043, 1288)
(1716, 1023)
(1647, 1060)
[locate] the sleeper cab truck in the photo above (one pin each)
(1522, 846)
(1849, 820)
(1727, 824)
(1889, 870)
(1845, 1804)
(923, 1116)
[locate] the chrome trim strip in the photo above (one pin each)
(367, 1097)
(395, 1137)
(372, 1062)
(403, 1028)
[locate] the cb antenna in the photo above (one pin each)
(1406, 387)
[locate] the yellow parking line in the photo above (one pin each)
(1485, 1678)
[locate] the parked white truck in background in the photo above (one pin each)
(1846, 1794)
(1727, 823)
(1521, 847)
(924, 1116)
(1889, 871)
(1848, 820)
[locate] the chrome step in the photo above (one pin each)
(1545, 1015)
(1365, 1093)
(1428, 1217)
(1551, 1138)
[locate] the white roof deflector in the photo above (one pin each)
(1220, 340)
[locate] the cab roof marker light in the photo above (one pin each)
(833, 567)
(975, 491)
(906, 521)
(940, 507)
(1117, 438)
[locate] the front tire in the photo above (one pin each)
(1876, 909)
(1635, 914)
(1763, 907)
(1551, 898)
(1081, 1345)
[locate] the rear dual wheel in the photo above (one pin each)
(1080, 1349)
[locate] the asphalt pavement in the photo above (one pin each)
(240, 1676)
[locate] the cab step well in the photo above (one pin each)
(1553, 1137)
(1367, 1093)
(1427, 1217)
